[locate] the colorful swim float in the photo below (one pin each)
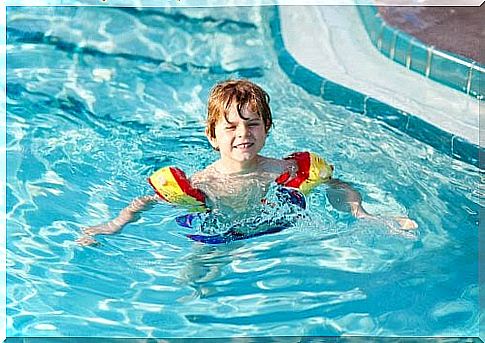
(172, 185)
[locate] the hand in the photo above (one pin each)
(86, 240)
(103, 229)
(405, 223)
(127, 215)
(402, 226)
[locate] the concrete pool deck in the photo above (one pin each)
(332, 42)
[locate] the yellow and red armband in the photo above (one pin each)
(171, 184)
(312, 171)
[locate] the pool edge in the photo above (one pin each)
(450, 144)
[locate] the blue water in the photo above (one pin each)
(98, 98)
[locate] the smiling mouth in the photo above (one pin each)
(244, 145)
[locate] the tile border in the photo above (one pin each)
(443, 141)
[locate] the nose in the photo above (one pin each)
(242, 130)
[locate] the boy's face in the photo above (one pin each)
(239, 140)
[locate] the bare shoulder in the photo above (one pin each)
(203, 175)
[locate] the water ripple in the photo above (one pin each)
(92, 110)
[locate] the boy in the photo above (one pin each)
(239, 119)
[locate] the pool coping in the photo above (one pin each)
(445, 67)
(450, 144)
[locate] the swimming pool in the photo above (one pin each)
(92, 111)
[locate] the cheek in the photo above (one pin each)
(223, 137)
(261, 132)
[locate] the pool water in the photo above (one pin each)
(99, 98)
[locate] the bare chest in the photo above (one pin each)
(238, 193)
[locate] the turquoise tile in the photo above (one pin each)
(385, 40)
(429, 134)
(375, 30)
(343, 96)
(468, 152)
(308, 80)
(286, 61)
(419, 57)
(477, 86)
(401, 48)
(449, 72)
(388, 114)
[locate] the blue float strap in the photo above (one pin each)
(233, 236)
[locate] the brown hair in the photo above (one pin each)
(239, 92)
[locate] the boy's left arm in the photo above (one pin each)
(345, 198)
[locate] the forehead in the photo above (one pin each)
(248, 112)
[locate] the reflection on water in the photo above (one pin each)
(98, 98)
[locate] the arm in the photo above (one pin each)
(345, 198)
(128, 215)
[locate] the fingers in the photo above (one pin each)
(401, 226)
(406, 224)
(90, 231)
(86, 240)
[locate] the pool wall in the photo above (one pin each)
(451, 144)
(445, 67)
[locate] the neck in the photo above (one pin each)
(234, 167)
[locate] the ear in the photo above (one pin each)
(212, 140)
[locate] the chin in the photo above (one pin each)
(243, 158)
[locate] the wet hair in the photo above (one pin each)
(241, 93)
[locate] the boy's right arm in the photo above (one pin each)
(127, 215)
